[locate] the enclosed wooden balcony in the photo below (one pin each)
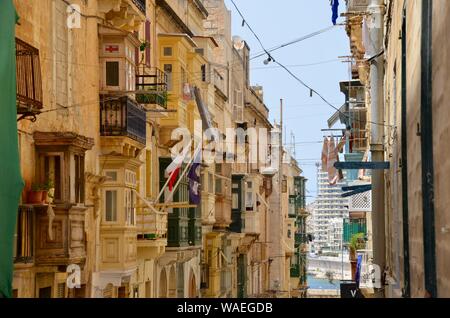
(151, 233)
(252, 223)
(121, 116)
(29, 81)
(151, 86)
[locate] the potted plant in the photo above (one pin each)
(48, 191)
(356, 243)
(35, 194)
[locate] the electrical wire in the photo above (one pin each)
(270, 58)
(296, 41)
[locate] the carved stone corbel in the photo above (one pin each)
(94, 184)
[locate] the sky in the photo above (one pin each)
(315, 61)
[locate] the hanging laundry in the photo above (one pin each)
(332, 159)
(325, 154)
(362, 172)
(335, 10)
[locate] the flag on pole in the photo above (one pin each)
(194, 178)
(335, 9)
(11, 183)
(173, 170)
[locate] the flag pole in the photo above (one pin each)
(184, 172)
(167, 181)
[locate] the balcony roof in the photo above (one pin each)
(185, 36)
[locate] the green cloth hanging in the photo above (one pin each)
(11, 183)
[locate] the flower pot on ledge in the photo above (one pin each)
(35, 197)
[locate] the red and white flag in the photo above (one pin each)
(173, 170)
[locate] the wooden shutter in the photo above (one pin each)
(136, 51)
(147, 40)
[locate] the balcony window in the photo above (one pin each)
(167, 51)
(24, 249)
(111, 205)
(79, 178)
(130, 203)
(168, 71)
(112, 73)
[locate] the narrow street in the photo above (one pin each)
(224, 149)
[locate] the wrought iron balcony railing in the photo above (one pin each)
(29, 82)
(151, 86)
(121, 116)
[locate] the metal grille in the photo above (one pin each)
(361, 202)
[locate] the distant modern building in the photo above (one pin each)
(330, 211)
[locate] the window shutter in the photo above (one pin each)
(136, 51)
(147, 40)
(61, 290)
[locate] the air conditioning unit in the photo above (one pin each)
(358, 5)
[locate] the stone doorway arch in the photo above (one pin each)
(172, 283)
(162, 284)
(193, 292)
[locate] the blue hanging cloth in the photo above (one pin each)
(335, 9)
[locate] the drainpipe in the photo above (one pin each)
(426, 123)
(376, 27)
(404, 142)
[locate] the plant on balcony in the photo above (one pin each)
(144, 45)
(153, 98)
(48, 189)
(35, 195)
(356, 243)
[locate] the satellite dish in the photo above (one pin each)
(269, 171)
(238, 43)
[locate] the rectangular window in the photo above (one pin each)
(167, 51)
(147, 40)
(183, 79)
(168, 71)
(203, 70)
(249, 201)
(52, 173)
(130, 206)
(219, 186)
(111, 206)
(79, 178)
(112, 175)
(235, 201)
(112, 73)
